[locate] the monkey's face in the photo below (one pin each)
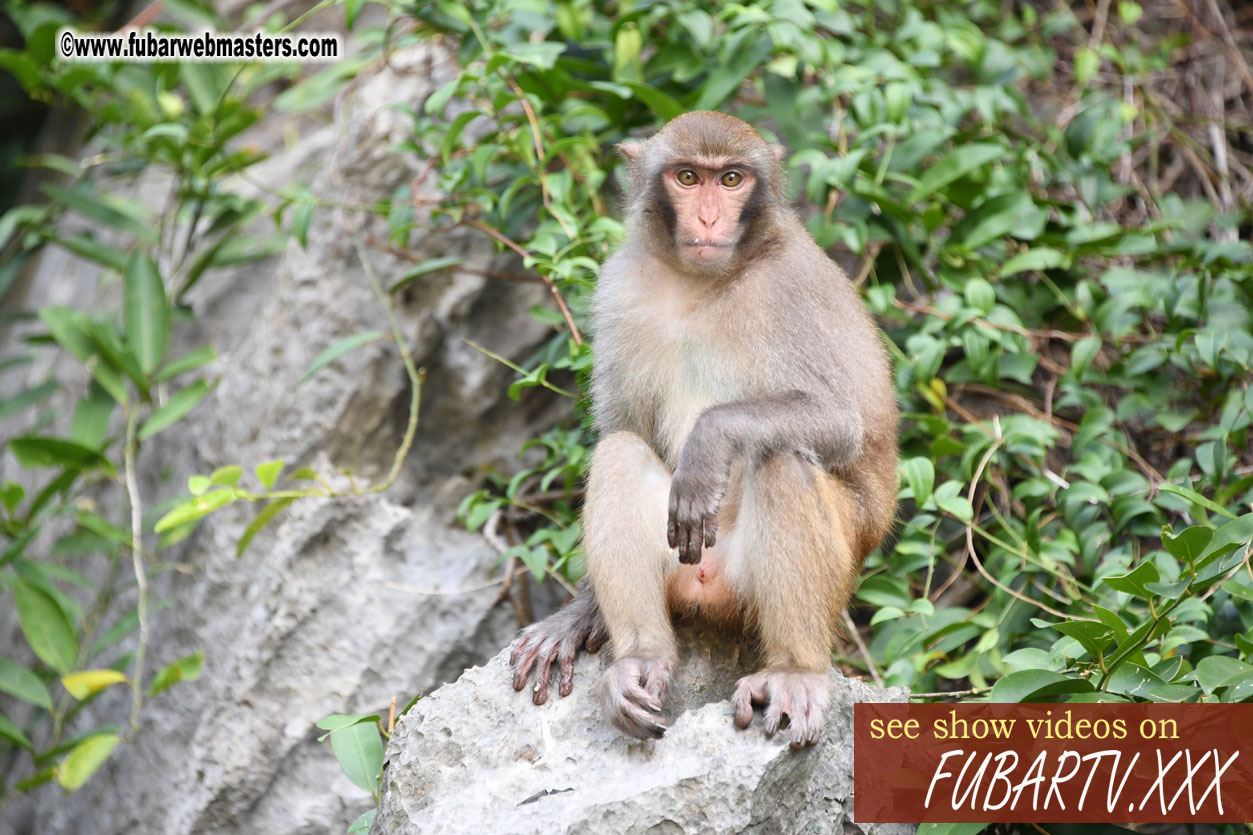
(707, 214)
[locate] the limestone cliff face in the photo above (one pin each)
(320, 615)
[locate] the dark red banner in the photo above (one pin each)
(1052, 763)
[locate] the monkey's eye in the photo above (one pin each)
(731, 179)
(687, 177)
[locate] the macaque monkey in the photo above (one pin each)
(747, 421)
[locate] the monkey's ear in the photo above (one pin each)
(780, 152)
(630, 150)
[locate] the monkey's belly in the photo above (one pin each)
(704, 589)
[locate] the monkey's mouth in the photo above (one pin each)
(701, 243)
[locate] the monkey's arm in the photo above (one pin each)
(818, 427)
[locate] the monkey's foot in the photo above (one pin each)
(557, 638)
(799, 696)
(631, 695)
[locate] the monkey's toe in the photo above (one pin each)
(796, 699)
(631, 695)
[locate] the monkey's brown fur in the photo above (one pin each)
(746, 411)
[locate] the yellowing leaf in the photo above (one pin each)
(84, 759)
(88, 682)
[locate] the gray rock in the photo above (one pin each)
(475, 757)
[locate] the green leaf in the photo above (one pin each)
(90, 424)
(11, 495)
(262, 519)
(69, 328)
(47, 629)
(14, 733)
(186, 668)
(197, 485)
(227, 476)
(1094, 637)
(425, 268)
(661, 104)
(26, 397)
(1035, 260)
(95, 207)
(301, 218)
(363, 823)
(179, 404)
(84, 759)
(195, 508)
(920, 475)
(1215, 671)
(187, 362)
(956, 164)
(1133, 581)
(1189, 544)
(951, 828)
(36, 451)
(352, 8)
(145, 312)
(1196, 498)
(340, 348)
(1032, 685)
(86, 683)
(359, 750)
(980, 295)
(1083, 352)
(18, 681)
(1087, 64)
(339, 721)
(267, 472)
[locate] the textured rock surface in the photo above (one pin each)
(316, 618)
(475, 757)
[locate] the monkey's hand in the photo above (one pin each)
(696, 491)
(799, 696)
(557, 638)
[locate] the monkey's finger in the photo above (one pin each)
(711, 530)
(682, 544)
(672, 521)
(596, 639)
(690, 537)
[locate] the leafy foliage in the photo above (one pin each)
(1072, 347)
(1060, 264)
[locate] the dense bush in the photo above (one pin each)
(1054, 248)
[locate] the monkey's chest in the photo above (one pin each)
(686, 376)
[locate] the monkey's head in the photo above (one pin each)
(702, 191)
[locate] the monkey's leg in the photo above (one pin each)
(793, 563)
(628, 561)
(558, 638)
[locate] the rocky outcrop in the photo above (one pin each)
(474, 756)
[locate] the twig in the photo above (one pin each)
(442, 592)
(951, 694)
(137, 561)
(548, 282)
(144, 17)
(556, 389)
(863, 649)
(416, 376)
